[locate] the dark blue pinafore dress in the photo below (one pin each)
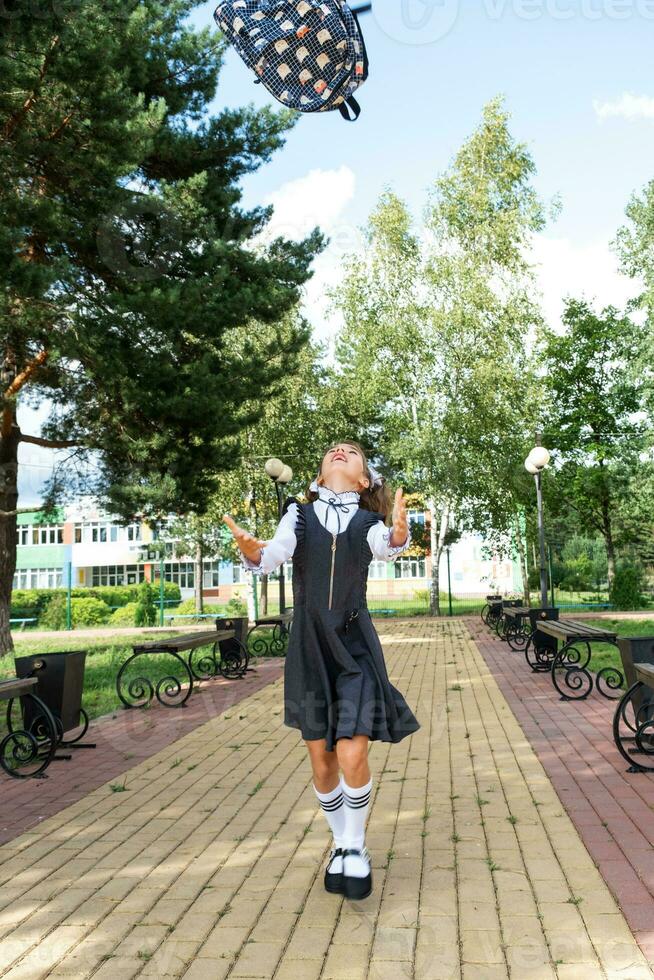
(335, 679)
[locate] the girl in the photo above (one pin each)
(336, 688)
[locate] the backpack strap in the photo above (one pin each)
(352, 103)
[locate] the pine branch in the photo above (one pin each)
(50, 443)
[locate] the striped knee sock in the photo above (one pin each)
(333, 807)
(357, 804)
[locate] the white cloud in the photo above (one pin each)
(629, 106)
(590, 271)
(319, 199)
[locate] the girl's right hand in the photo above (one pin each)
(247, 543)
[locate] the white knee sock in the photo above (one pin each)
(357, 804)
(333, 807)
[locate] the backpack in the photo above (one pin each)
(309, 54)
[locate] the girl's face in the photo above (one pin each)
(345, 464)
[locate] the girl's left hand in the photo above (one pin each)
(400, 523)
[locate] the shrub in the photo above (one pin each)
(628, 585)
(124, 615)
(235, 607)
(145, 613)
(84, 612)
(53, 615)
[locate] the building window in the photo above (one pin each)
(117, 574)
(78, 534)
(133, 532)
(211, 575)
(38, 578)
(238, 574)
(409, 568)
(36, 534)
(377, 569)
(181, 572)
(417, 516)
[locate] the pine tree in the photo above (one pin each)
(127, 259)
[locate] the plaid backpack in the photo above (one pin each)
(309, 54)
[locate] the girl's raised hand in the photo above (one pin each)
(400, 523)
(247, 543)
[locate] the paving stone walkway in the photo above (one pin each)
(126, 734)
(612, 809)
(209, 864)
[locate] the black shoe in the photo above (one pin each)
(353, 886)
(334, 880)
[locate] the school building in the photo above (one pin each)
(100, 551)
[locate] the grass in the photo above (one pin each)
(605, 655)
(106, 655)
(104, 658)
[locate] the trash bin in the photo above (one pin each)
(638, 650)
(60, 684)
(542, 641)
(234, 652)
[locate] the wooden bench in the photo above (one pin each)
(573, 656)
(231, 662)
(281, 627)
(22, 621)
(516, 629)
(633, 721)
(500, 621)
(492, 610)
(27, 753)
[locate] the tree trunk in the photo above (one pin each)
(8, 537)
(437, 543)
(607, 530)
(263, 596)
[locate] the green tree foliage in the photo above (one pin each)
(435, 335)
(127, 259)
(596, 420)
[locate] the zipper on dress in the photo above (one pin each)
(331, 576)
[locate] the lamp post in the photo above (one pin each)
(535, 463)
(281, 475)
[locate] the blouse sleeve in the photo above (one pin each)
(280, 547)
(379, 540)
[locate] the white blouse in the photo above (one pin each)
(282, 545)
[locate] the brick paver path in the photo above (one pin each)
(612, 809)
(210, 863)
(128, 734)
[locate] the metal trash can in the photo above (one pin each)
(234, 651)
(543, 640)
(638, 650)
(60, 685)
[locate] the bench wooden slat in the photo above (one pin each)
(645, 673)
(187, 642)
(271, 620)
(569, 629)
(516, 611)
(15, 686)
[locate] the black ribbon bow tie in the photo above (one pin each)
(338, 506)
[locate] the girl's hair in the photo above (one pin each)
(376, 498)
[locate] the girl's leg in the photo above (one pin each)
(324, 765)
(328, 789)
(357, 788)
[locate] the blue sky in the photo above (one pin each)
(576, 76)
(552, 60)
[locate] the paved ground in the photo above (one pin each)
(612, 809)
(209, 864)
(128, 734)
